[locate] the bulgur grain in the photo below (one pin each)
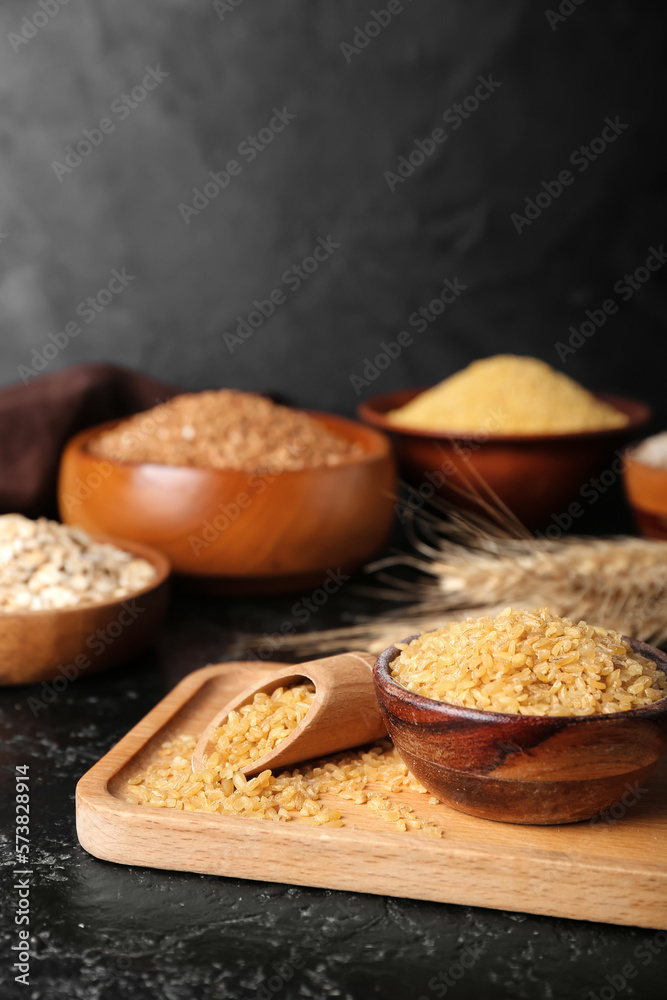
(529, 663)
(226, 429)
(291, 795)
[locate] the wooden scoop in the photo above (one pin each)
(344, 712)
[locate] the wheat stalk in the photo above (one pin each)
(467, 565)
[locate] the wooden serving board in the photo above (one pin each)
(608, 871)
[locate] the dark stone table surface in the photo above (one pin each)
(102, 931)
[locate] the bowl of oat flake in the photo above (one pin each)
(72, 604)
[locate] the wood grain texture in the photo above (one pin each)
(522, 768)
(611, 870)
(533, 474)
(34, 645)
(259, 528)
(344, 713)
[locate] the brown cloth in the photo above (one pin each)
(38, 419)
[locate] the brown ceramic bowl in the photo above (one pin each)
(242, 532)
(646, 490)
(522, 768)
(535, 475)
(60, 645)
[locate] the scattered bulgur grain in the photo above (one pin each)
(291, 795)
(529, 663)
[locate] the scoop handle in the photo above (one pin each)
(344, 712)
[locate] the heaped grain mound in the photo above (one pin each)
(531, 663)
(253, 730)
(45, 565)
(507, 394)
(225, 429)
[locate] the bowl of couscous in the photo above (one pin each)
(506, 431)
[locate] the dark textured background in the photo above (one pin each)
(105, 931)
(324, 174)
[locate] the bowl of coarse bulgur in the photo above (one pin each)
(525, 717)
(511, 429)
(240, 493)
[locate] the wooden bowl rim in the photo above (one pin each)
(630, 459)
(156, 558)
(391, 689)
(373, 411)
(378, 442)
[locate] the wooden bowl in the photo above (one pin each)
(646, 490)
(522, 768)
(535, 475)
(57, 646)
(246, 532)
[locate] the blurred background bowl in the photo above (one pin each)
(234, 531)
(646, 490)
(535, 475)
(59, 645)
(535, 769)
